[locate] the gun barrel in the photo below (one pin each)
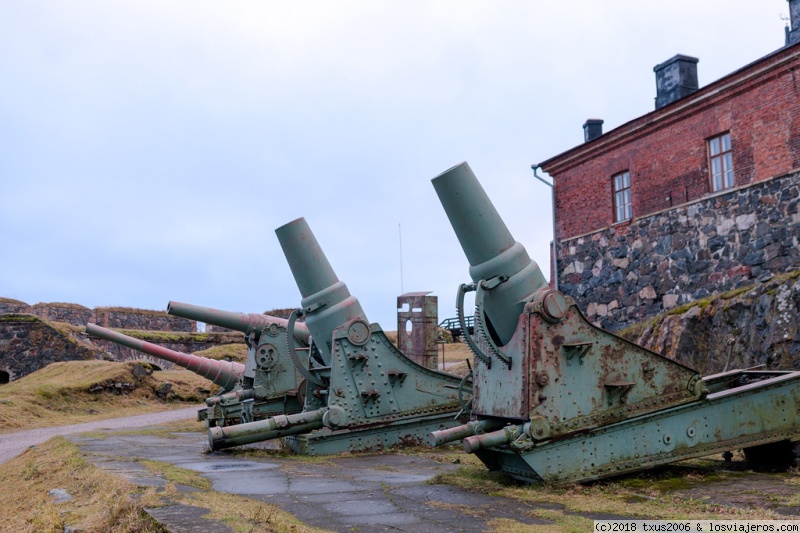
(476, 427)
(243, 322)
(267, 429)
(318, 284)
(495, 438)
(223, 373)
(489, 247)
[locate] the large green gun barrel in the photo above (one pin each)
(327, 303)
(226, 374)
(490, 249)
(244, 322)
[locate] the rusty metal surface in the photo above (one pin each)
(417, 314)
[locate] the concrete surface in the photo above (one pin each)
(365, 493)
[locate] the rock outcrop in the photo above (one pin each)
(755, 325)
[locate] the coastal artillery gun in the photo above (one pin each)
(271, 383)
(225, 374)
(367, 395)
(267, 385)
(558, 399)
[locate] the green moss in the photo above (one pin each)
(131, 310)
(634, 332)
(19, 317)
(176, 474)
(181, 336)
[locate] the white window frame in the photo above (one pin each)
(621, 185)
(720, 162)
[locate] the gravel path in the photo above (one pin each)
(12, 444)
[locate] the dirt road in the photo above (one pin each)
(12, 444)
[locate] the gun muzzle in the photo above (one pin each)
(326, 300)
(246, 323)
(223, 373)
(489, 247)
(267, 429)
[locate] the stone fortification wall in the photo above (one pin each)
(126, 318)
(629, 272)
(63, 312)
(108, 317)
(7, 305)
(28, 343)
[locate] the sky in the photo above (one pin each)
(149, 149)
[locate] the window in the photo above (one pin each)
(622, 197)
(719, 150)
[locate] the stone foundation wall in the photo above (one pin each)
(632, 271)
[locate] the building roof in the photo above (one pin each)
(710, 94)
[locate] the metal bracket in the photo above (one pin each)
(314, 307)
(396, 377)
(371, 394)
(618, 391)
(578, 348)
(358, 358)
(293, 353)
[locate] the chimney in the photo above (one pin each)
(675, 78)
(592, 129)
(793, 32)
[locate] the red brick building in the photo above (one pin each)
(696, 197)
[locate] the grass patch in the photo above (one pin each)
(81, 391)
(229, 352)
(103, 502)
(175, 474)
(100, 502)
(639, 496)
(19, 317)
(181, 336)
(60, 305)
(248, 515)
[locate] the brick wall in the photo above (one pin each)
(665, 151)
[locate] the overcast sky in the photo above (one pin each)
(148, 150)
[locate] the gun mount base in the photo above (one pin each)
(765, 410)
(399, 433)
